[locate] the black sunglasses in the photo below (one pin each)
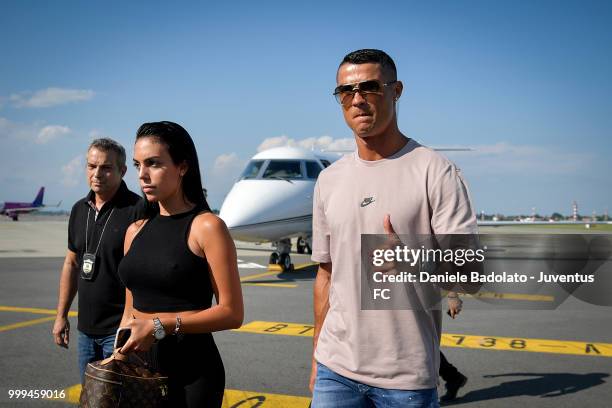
(345, 93)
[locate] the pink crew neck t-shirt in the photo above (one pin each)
(425, 194)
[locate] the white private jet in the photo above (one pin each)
(272, 200)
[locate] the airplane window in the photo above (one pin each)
(312, 169)
(325, 163)
(252, 169)
(287, 169)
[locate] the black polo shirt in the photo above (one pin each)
(101, 299)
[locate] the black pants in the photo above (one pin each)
(196, 377)
(448, 372)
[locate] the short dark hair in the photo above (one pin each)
(370, 55)
(109, 145)
(181, 149)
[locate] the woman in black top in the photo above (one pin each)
(175, 260)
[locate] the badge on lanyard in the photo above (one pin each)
(88, 266)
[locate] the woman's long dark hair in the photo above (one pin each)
(181, 149)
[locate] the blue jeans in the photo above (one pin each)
(93, 348)
(332, 390)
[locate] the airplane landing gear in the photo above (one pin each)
(285, 262)
(273, 258)
(281, 255)
(304, 245)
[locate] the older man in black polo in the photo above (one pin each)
(96, 231)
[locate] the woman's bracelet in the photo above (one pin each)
(177, 327)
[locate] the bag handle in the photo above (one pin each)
(117, 355)
(123, 357)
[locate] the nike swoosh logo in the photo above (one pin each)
(367, 201)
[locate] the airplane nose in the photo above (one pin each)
(253, 206)
(245, 205)
(232, 215)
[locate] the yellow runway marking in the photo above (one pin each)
(231, 399)
(305, 265)
(272, 285)
(523, 344)
(274, 270)
(278, 268)
(33, 310)
(257, 275)
(459, 340)
(248, 399)
(510, 296)
(287, 329)
(26, 323)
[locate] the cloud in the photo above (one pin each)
(227, 161)
(318, 143)
(48, 97)
(227, 168)
(33, 132)
(73, 171)
(51, 132)
(271, 142)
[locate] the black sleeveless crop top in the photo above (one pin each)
(163, 274)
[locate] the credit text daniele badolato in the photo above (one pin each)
(459, 257)
(477, 277)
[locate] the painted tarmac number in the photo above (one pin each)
(523, 344)
(459, 340)
(291, 329)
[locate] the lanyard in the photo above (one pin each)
(101, 235)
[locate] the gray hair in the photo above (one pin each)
(109, 145)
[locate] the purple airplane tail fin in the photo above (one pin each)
(38, 201)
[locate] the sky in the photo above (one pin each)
(524, 84)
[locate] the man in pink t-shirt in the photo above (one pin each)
(389, 185)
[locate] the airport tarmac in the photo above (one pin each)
(531, 358)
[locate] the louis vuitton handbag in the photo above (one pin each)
(120, 382)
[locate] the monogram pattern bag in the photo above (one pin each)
(116, 382)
